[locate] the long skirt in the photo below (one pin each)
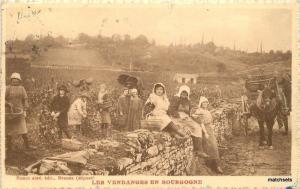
(210, 145)
(192, 125)
(163, 120)
(16, 126)
(105, 117)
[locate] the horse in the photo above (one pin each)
(269, 104)
(265, 111)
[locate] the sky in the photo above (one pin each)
(246, 27)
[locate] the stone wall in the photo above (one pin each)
(145, 152)
(141, 152)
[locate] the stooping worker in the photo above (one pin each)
(104, 105)
(78, 112)
(210, 145)
(159, 105)
(59, 108)
(16, 98)
(180, 110)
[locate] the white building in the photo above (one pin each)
(186, 78)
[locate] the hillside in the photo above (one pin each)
(139, 54)
(160, 61)
(70, 56)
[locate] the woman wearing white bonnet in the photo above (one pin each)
(210, 145)
(16, 97)
(180, 110)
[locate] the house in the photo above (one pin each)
(186, 78)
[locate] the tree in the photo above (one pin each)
(221, 67)
(210, 47)
(141, 40)
(61, 41)
(48, 41)
(29, 38)
(83, 38)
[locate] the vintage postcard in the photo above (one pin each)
(164, 95)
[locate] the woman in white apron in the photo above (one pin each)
(180, 110)
(159, 101)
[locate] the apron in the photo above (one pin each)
(188, 122)
(16, 95)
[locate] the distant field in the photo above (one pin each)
(70, 56)
(92, 57)
(204, 63)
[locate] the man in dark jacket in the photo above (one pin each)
(286, 85)
(59, 107)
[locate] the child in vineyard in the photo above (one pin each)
(122, 109)
(159, 103)
(105, 103)
(59, 107)
(78, 112)
(135, 111)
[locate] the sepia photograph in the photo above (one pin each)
(152, 91)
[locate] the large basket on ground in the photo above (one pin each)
(12, 113)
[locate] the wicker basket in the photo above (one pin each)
(106, 104)
(151, 124)
(18, 113)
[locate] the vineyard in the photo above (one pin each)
(43, 131)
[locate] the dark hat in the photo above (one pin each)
(131, 82)
(123, 78)
(63, 87)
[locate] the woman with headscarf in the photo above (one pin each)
(210, 146)
(135, 111)
(105, 103)
(180, 110)
(159, 102)
(16, 97)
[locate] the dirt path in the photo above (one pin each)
(243, 156)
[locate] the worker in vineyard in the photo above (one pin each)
(286, 85)
(217, 95)
(158, 104)
(59, 108)
(210, 145)
(104, 106)
(180, 111)
(122, 108)
(78, 112)
(135, 111)
(16, 97)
